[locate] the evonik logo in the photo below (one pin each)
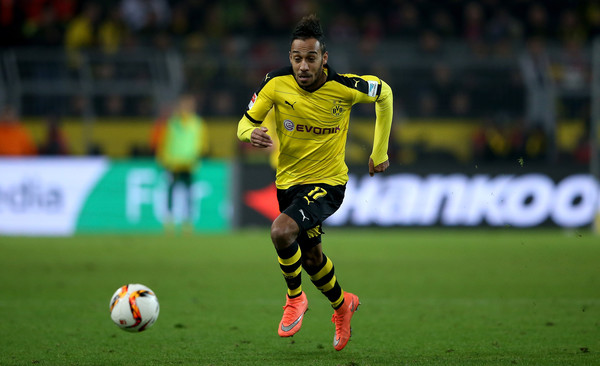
(317, 130)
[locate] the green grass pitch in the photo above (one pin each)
(429, 297)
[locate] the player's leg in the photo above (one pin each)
(168, 222)
(341, 318)
(323, 201)
(187, 179)
(318, 203)
(284, 231)
(173, 178)
(322, 274)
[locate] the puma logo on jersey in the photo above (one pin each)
(291, 105)
(303, 215)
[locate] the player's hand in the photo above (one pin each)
(379, 168)
(259, 138)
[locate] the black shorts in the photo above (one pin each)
(309, 205)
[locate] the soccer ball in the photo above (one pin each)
(134, 307)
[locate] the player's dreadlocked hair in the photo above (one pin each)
(309, 27)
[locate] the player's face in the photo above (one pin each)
(187, 105)
(307, 62)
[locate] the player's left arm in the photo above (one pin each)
(379, 161)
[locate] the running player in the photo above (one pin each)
(312, 111)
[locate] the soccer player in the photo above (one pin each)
(180, 143)
(312, 111)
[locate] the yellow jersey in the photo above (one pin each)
(312, 126)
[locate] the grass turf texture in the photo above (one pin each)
(429, 297)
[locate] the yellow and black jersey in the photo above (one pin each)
(312, 126)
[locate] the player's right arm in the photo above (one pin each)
(254, 133)
(260, 138)
(249, 127)
(245, 129)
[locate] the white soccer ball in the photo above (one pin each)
(134, 307)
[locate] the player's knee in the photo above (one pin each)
(283, 234)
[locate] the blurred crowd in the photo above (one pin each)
(125, 23)
(528, 61)
(16, 140)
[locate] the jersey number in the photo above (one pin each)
(315, 194)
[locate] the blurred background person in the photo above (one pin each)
(80, 33)
(180, 143)
(15, 139)
(55, 142)
(540, 113)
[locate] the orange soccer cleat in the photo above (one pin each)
(341, 318)
(293, 313)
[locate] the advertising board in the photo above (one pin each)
(64, 196)
(448, 196)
